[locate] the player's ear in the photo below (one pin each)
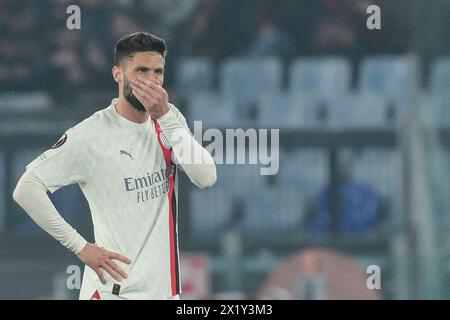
(117, 74)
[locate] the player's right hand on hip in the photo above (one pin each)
(99, 259)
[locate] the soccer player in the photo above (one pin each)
(126, 159)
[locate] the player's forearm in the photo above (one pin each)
(202, 175)
(31, 195)
(193, 158)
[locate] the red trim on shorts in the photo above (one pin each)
(96, 295)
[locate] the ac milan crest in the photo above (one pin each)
(165, 142)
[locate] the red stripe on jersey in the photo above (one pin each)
(173, 253)
(173, 258)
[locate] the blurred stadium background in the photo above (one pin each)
(364, 121)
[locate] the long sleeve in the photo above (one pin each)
(195, 160)
(31, 195)
(61, 165)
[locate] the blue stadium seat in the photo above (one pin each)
(305, 171)
(278, 110)
(248, 77)
(194, 75)
(438, 108)
(212, 109)
(242, 80)
(440, 76)
(247, 179)
(358, 111)
(273, 210)
(331, 76)
(293, 111)
(391, 76)
(314, 111)
(442, 111)
(379, 167)
(221, 207)
(211, 210)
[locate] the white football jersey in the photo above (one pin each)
(127, 175)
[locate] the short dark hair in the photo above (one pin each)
(128, 45)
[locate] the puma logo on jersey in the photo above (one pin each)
(127, 153)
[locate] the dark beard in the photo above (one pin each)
(131, 98)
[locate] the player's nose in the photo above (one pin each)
(153, 76)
